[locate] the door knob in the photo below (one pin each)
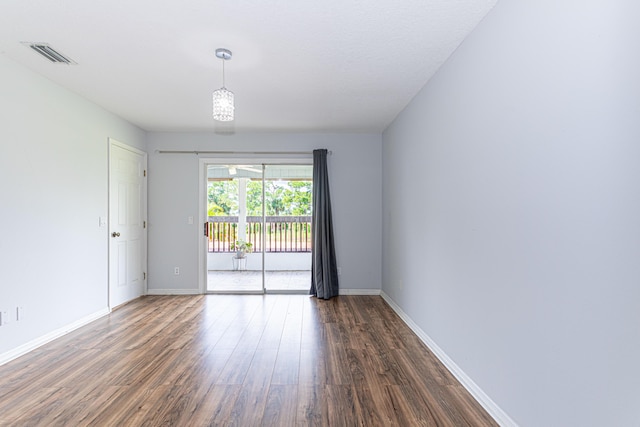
(115, 234)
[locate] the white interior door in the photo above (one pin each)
(127, 223)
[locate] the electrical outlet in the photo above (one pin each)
(4, 317)
(339, 271)
(190, 220)
(176, 270)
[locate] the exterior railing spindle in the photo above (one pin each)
(283, 233)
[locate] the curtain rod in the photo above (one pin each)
(262, 153)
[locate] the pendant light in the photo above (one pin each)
(223, 103)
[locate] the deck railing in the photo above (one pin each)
(283, 233)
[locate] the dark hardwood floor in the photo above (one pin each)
(277, 360)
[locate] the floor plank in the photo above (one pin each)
(271, 360)
(280, 409)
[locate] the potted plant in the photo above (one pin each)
(242, 248)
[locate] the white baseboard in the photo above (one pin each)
(173, 292)
(489, 405)
(33, 344)
(359, 291)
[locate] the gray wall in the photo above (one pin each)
(53, 187)
(518, 166)
(356, 177)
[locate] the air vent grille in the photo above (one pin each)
(50, 53)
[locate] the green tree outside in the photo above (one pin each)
(222, 198)
(286, 198)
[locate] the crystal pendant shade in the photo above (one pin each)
(223, 106)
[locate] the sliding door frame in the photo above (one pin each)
(298, 158)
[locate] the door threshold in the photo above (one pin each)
(267, 291)
(286, 291)
(234, 292)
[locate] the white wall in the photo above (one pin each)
(53, 181)
(522, 159)
(355, 179)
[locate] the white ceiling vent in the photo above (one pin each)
(50, 53)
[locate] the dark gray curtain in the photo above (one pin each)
(324, 272)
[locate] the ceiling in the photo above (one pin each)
(297, 66)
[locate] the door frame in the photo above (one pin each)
(115, 143)
(296, 158)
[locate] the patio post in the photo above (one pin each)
(242, 209)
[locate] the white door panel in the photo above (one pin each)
(127, 234)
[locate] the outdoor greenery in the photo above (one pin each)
(222, 198)
(242, 246)
(281, 198)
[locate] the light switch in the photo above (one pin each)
(190, 220)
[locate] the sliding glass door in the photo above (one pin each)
(287, 228)
(234, 213)
(259, 228)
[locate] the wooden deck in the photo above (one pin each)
(277, 360)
